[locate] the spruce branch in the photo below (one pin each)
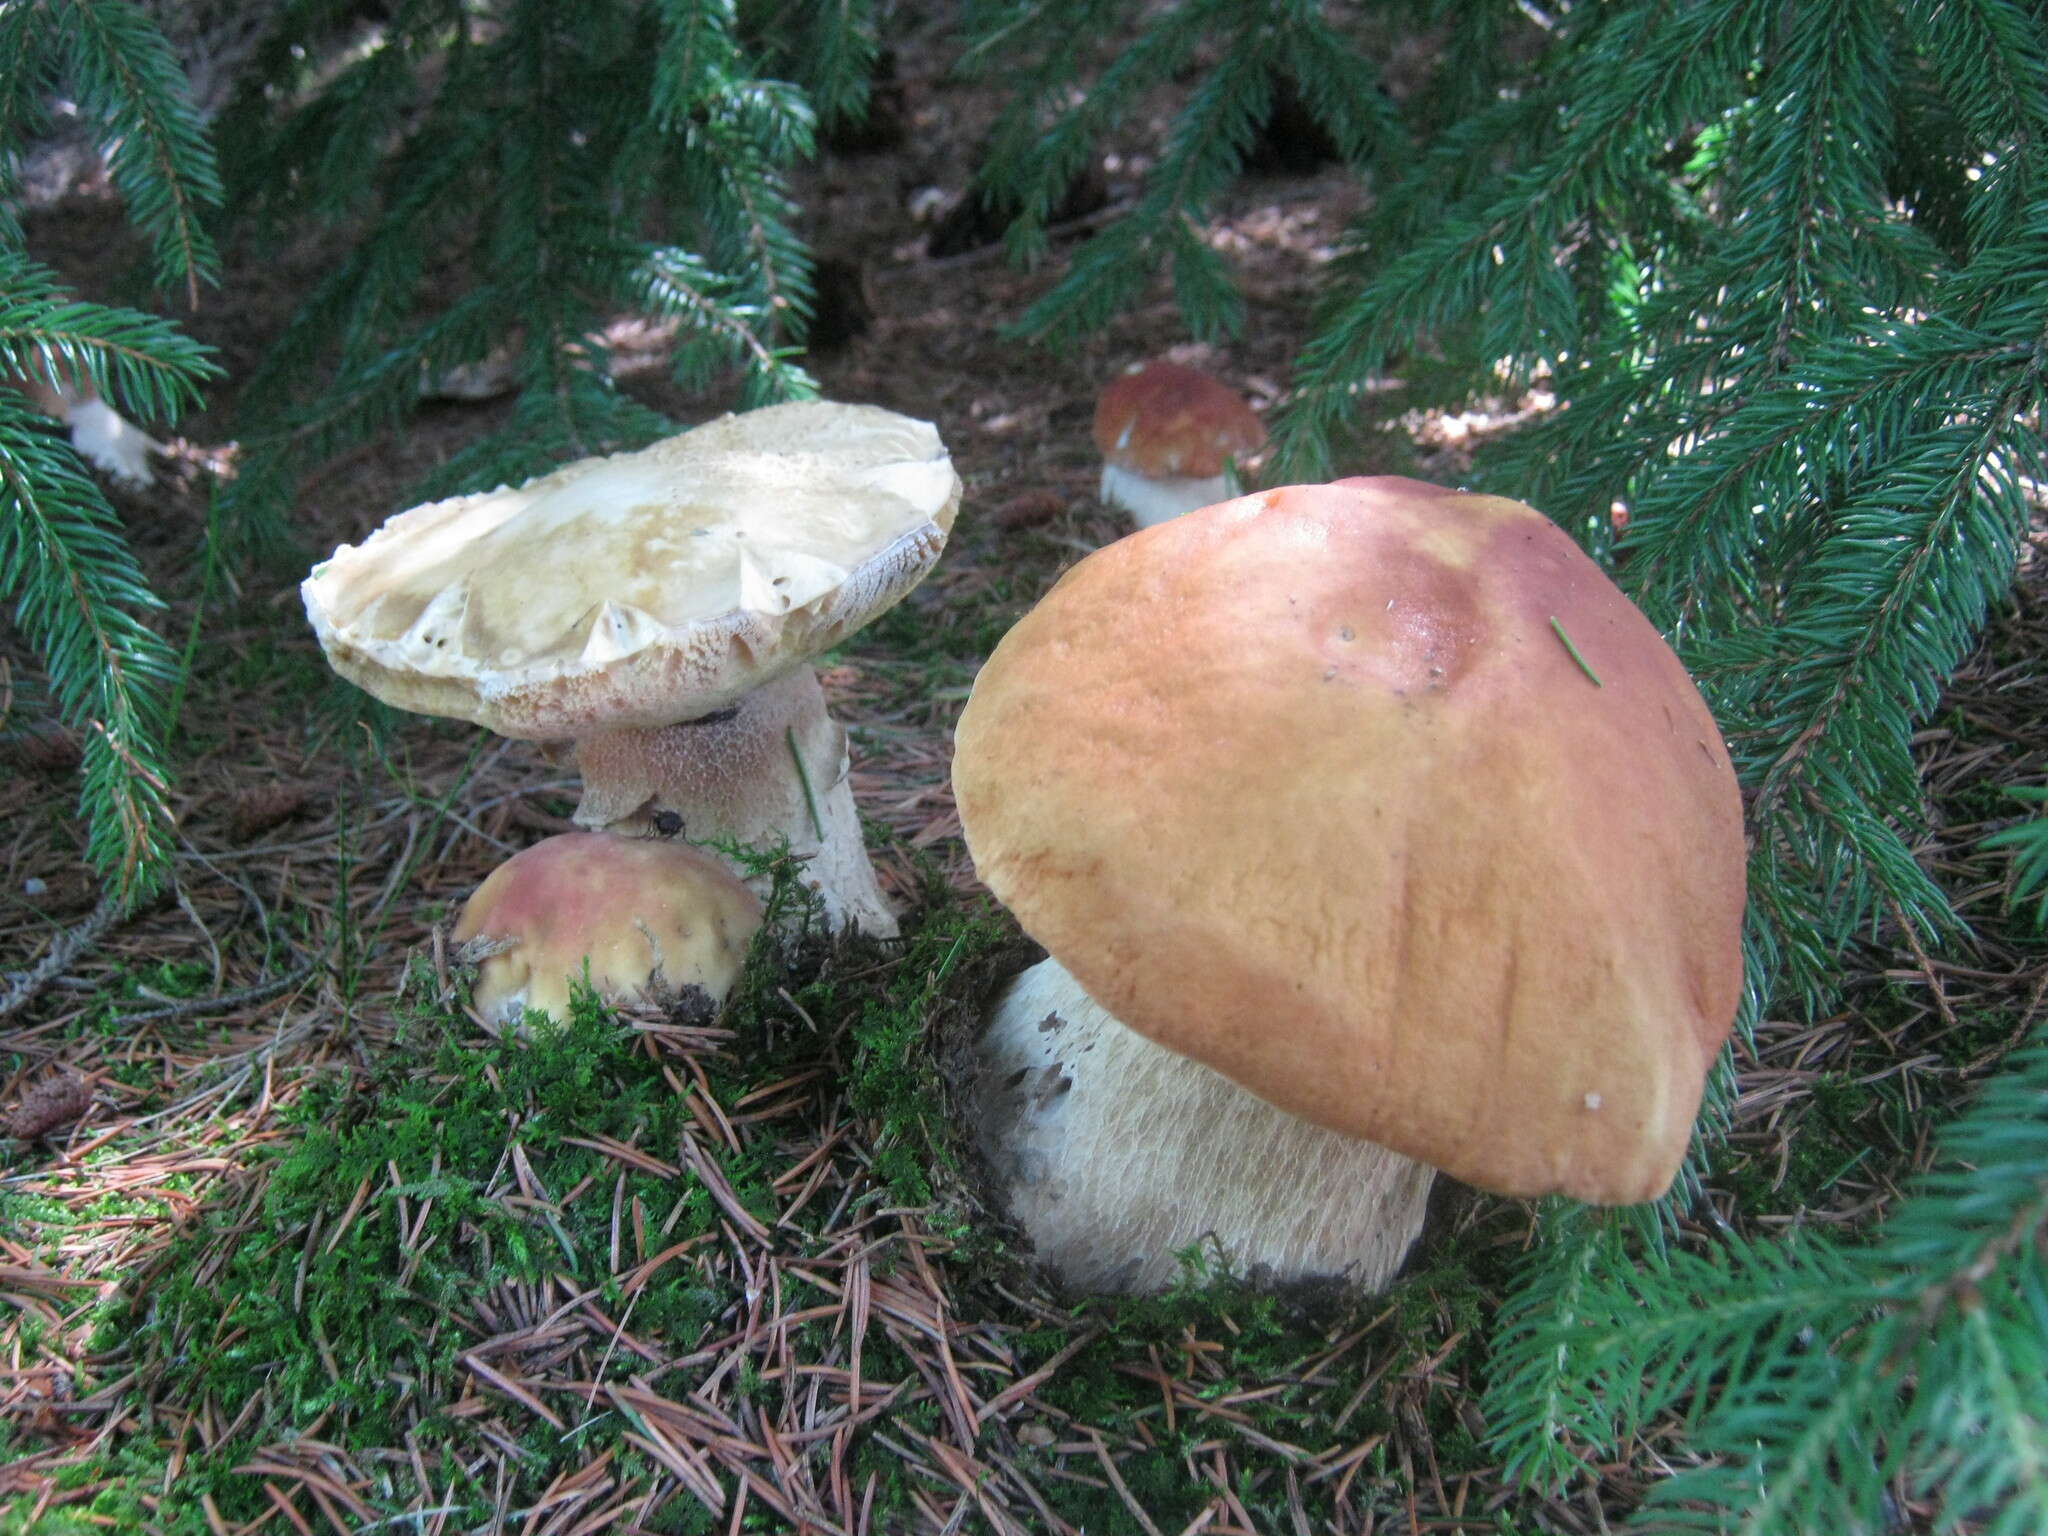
(1811, 1373)
(2029, 844)
(563, 167)
(77, 594)
(827, 48)
(1045, 138)
(1990, 57)
(128, 79)
(721, 325)
(65, 566)
(24, 85)
(1491, 252)
(142, 362)
(1542, 1405)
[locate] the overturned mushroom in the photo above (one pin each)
(1371, 831)
(640, 918)
(661, 609)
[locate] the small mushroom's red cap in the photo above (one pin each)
(636, 916)
(1169, 422)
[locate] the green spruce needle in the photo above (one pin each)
(1567, 639)
(804, 778)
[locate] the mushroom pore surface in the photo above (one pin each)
(642, 588)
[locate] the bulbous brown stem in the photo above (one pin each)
(774, 769)
(1115, 1153)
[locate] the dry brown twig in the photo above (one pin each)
(23, 986)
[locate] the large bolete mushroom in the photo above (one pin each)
(661, 609)
(1371, 830)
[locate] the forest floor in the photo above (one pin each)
(317, 1253)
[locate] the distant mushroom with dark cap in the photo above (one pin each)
(1371, 831)
(661, 609)
(1170, 437)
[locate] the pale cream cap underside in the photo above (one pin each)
(643, 588)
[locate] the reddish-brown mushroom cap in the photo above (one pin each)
(1166, 421)
(1310, 786)
(651, 918)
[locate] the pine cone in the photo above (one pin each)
(51, 1105)
(255, 810)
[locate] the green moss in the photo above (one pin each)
(323, 1305)
(326, 1308)
(896, 1081)
(175, 979)
(319, 1301)
(113, 1506)
(902, 1005)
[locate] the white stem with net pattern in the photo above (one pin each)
(773, 771)
(1115, 1154)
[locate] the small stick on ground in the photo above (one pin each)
(22, 986)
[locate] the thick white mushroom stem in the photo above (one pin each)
(773, 770)
(1115, 1154)
(1152, 501)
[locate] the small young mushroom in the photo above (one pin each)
(661, 610)
(1371, 830)
(649, 919)
(1169, 436)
